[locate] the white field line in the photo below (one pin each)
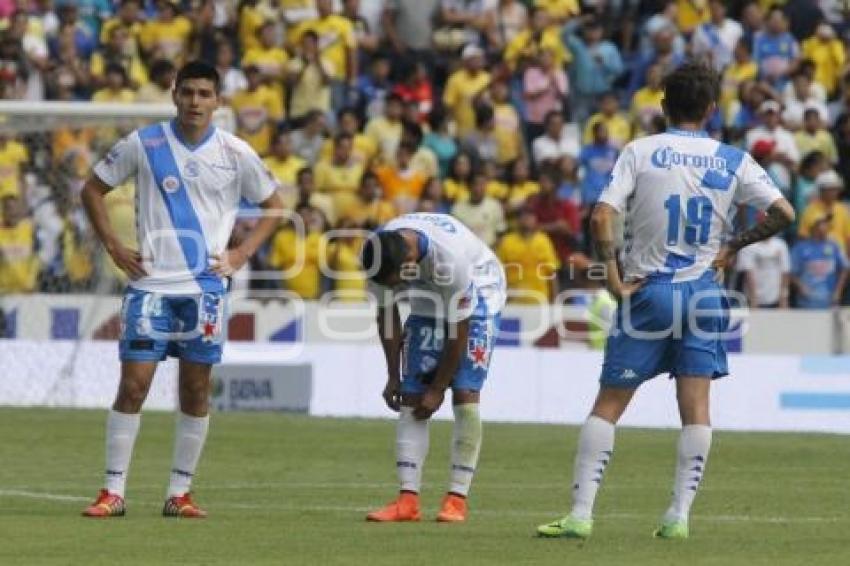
(541, 513)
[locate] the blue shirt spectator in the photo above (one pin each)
(775, 50)
(596, 64)
(597, 160)
(818, 269)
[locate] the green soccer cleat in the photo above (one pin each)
(567, 527)
(672, 530)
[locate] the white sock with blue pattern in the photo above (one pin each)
(694, 445)
(595, 447)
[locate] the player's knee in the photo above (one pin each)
(131, 396)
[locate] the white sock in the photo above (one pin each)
(466, 445)
(121, 431)
(595, 447)
(188, 444)
(694, 445)
(411, 449)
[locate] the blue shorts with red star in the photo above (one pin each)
(424, 338)
(189, 327)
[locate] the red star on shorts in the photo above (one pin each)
(209, 329)
(479, 355)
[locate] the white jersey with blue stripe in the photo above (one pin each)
(678, 191)
(458, 274)
(187, 199)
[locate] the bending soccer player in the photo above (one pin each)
(456, 289)
(189, 177)
(676, 190)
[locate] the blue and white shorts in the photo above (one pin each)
(189, 327)
(674, 328)
(424, 338)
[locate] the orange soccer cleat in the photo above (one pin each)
(182, 506)
(106, 505)
(453, 509)
(405, 508)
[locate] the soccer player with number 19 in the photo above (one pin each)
(676, 191)
(190, 178)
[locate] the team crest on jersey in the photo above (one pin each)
(191, 169)
(171, 184)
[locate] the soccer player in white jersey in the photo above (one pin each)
(676, 190)
(456, 289)
(189, 177)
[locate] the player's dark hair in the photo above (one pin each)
(689, 91)
(198, 70)
(383, 254)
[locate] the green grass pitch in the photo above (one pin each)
(294, 490)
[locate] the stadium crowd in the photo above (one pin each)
(508, 114)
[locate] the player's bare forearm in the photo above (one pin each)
(602, 230)
(456, 343)
(389, 331)
(92, 198)
(779, 216)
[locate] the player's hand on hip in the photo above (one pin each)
(626, 290)
(129, 261)
(227, 263)
(429, 403)
(392, 394)
(722, 260)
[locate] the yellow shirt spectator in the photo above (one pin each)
(255, 111)
(619, 129)
(530, 263)
(507, 133)
(74, 146)
(271, 62)
(733, 76)
(363, 151)
(646, 104)
(559, 10)
(286, 172)
(310, 92)
(461, 89)
(336, 37)
(18, 261)
(125, 95)
(135, 69)
(167, 40)
(12, 156)
(251, 19)
(374, 213)
(498, 190)
(77, 255)
(385, 135)
(519, 193)
(839, 227)
(135, 30)
(829, 57)
(341, 182)
(523, 45)
(344, 260)
(821, 141)
(692, 13)
(300, 258)
(455, 191)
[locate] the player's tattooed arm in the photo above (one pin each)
(779, 216)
